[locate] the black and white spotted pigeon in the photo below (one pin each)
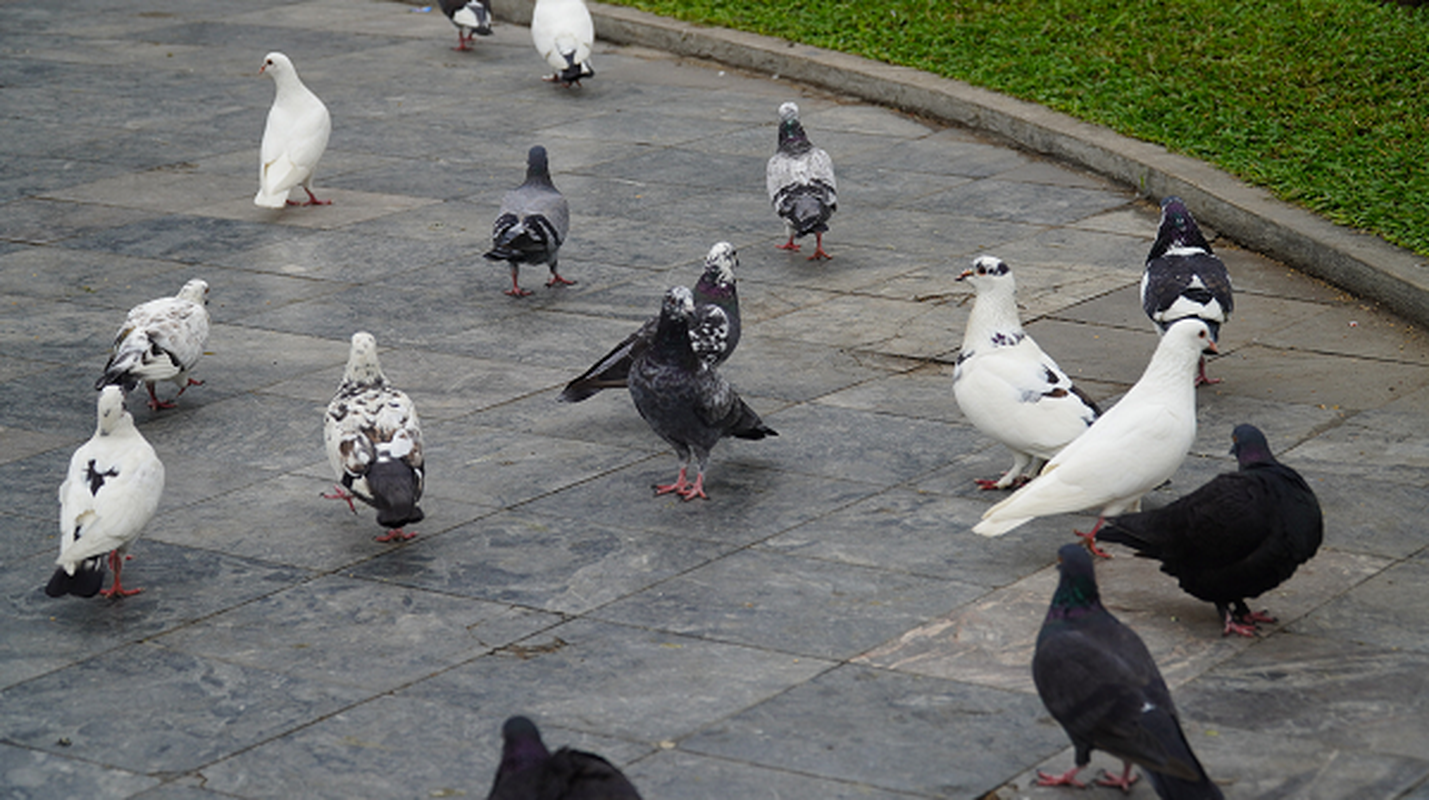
(160, 340)
(1099, 681)
(677, 390)
(716, 286)
(529, 771)
(1183, 278)
(1239, 536)
(471, 18)
(531, 224)
(800, 180)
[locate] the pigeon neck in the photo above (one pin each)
(672, 341)
(709, 286)
(522, 754)
(993, 319)
(792, 139)
(289, 85)
(1076, 596)
(1177, 231)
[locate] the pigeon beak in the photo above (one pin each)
(965, 274)
(1211, 348)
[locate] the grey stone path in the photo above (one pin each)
(825, 626)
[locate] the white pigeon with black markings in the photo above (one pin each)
(1006, 386)
(471, 18)
(1183, 278)
(160, 340)
(374, 443)
(110, 493)
(1129, 450)
(294, 139)
(801, 184)
(563, 33)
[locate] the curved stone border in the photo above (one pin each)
(1360, 263)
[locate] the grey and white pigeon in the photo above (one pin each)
(677, 390)
(374, 443)
(1006, 386)
(294, 138)
(109, 494)
(716, 286)
(1099, 681)
(1127, 452)
(531, 224)
(1183, 278)
(471, 18)
(528, 771)
(1239, 536)
(563, 33)
(800, 180)
(160, 340)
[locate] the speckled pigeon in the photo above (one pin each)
(531, 224)
(800, 180)
(677, 391)
(529, 771)
(1099, 681)
(471, 18)
(1183, 278)
(716, 286)
(1239, 536)
(160, 340)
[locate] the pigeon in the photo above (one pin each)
(374, 443)
(1006, 386)
(1184, 278)
(1099, 681)
(800, 179)
(471, 18)
(294, 139)
(676, 389)
(160, 340)
(109, 494)
(531, 224)
(1127, 452)
(529, 771)
(1239, 536)
(563, 33)
(715, 287)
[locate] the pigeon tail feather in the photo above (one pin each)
(86, 581)
(393, 485)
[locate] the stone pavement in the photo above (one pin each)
(825, 626)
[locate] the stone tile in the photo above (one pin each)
(1298, 376)
(1021, 202)
(33, 774)
(1381, 611)
(190, 238)
(947, 152)
(345, 256)
(922, 393)
(84, 276)
(38, 221)
(678, 775)
(348, 206)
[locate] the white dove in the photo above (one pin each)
(160, 340)
(563, 33)
(1006, 386)
(374, 442)
(109, 495)
(1127, 452)
(294, 139)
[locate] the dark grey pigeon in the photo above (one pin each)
(800, 180)
(1239, 536)
(715, 287)
(1098, 679)
(1183, 278)
(529, 771)
(676, 389)
(471, 18)
(531, 224)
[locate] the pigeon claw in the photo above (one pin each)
(517, 291)
(340, 493)
(557, 280)
(696, 489)
(1089, 539)
(1068, 778)
(678, 487)
(312, 200)
(1201, 379)
(789, 245)
(395, 535)
(1123, 783)
(117, 590)
(819, 249)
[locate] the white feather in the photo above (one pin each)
(368, 419)
(562, 27)
(295, 137)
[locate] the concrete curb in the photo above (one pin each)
(1360, 263)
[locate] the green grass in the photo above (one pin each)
(1323, 102)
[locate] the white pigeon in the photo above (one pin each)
(1127, 452)
(800, 180)
(563, 33)
(1006, 386)
(374, 442)
(109, 495)
(161, 340)
(294, 139)
(1183, 278)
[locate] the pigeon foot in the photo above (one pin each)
(1089, 539)
(340, 494)
(517, 291)
(1201, 379)
(155, 404)
(1068, 778)
(987, 484)
(395, 535)
(312, 200)
(696, 489)
(117, 590)
(819, 249)
(1258, 616)
(1123, 783)
(678, 487)
(557, 280)
(789, 245)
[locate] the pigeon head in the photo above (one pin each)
(679, 303)
(536, 164)
(1190, 334)
(1249, 447)
(110, 409)
(720, 264)
(521, 746)
(791, 133)
(195, 291)
(788, 111)
(276, 64)
(985, 271)
(363, 368)
(1077, 587)
(1178, 230)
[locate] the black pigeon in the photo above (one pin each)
(1183, 278)
(715, 287)
(800, 180)
(1099, 681)
(471, 18)
(532, 223)
(677, 391)
(1239, 536)
(529, 771)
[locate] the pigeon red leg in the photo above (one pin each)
(678, 487)
(516, 290)
(1201, 378)
(1258, 616)
(117, 590)
(789, 245)
(1123, 783)
(558, 280)
(155, 403)
(1239, 627)
(696, 489)
(312, 200)
(1090, 539)
(395, 535)
(1068, 778)
(340, 494)
(819, 249)
(461, 40)
(191, 382)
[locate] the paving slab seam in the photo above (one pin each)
(1361, 263)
